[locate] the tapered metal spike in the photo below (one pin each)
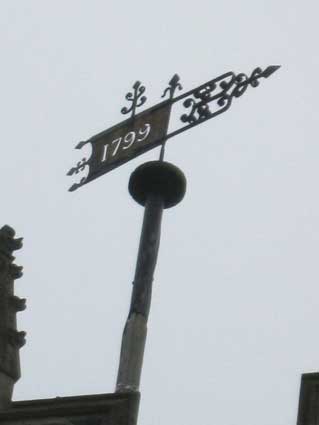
(270, 70)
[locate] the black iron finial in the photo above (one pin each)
(136, 98)
(270, 70)
(174, 84)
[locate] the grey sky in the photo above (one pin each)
(235, 313)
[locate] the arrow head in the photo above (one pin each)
(270, 70)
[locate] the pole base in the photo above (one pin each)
(157, 178)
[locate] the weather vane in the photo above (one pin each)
(149, 129)
(156, 185)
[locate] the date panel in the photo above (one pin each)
(127, 140)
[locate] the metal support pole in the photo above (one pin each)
(155, 185)
(134, 335)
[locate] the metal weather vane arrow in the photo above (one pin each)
(149, 129)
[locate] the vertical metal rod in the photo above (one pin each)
(135, 330)
(162, 152)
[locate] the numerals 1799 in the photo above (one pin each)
(123, 143)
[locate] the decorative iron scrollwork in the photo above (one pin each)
(221, 91)
(202, 97)
(136, 98)
(80, 166)
(199, 111)
(122, 142)
(173, 85)
(77, 185)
